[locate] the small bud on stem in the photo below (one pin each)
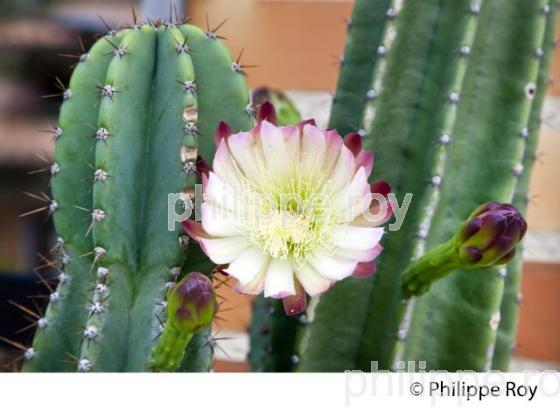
(487, 238)
(191, 306)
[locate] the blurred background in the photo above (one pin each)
(296, 45)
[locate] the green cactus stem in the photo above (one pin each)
(141, 106)
(506, 332)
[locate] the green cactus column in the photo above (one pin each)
(505, 338)
(140, 108)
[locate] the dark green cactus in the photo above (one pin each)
(139, 109)
(448, 95)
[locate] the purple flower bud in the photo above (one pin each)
(192, 303)
(490, 235)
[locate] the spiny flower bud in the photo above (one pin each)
(490, 235)
(487, 238)
(192, 303)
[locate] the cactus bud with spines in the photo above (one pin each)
(487, 238)
(191, 306)
(490, 235)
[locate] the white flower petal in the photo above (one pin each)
(360, 256)
(247, 266)
(222, 194)
(223, 250)
(218, 221)
(378, 213)
(354, 199)
(342, 172)
(280, 148)
(313, 283)
(332, 267)
(279, 281)
(225, 167)
(313, 147)
(356, 238)
(246, 151)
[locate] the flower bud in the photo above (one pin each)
(489, 235)
(286, 112)
(192, 303)
(487, 238)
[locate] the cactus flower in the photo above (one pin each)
(289, 210)
(487, 238)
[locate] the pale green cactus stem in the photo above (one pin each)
(142, 105)
(507, 329)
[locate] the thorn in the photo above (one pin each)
(25, 310)
(347, 22)
(117, 50)
(107, 90)
(371, 95)
(191, 128)
(182, 47)
(237, 67)
(211, 33)
(65, 93)
(13, 343)
(338, 60)
(391, 14)
(517, 170)
(47, 263)
(101, 134)
(51, 206)
(134, 18)
(110, 31)
(188, 86)
(56, 131)
(44, 281)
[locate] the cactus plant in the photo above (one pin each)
(448, 94)
(141, 106)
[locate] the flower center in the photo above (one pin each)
(289, 225)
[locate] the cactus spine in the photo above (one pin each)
(139, 109)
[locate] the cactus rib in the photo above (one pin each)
(78, 118)
(365, 33)
(505, 338)
(430, 200)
